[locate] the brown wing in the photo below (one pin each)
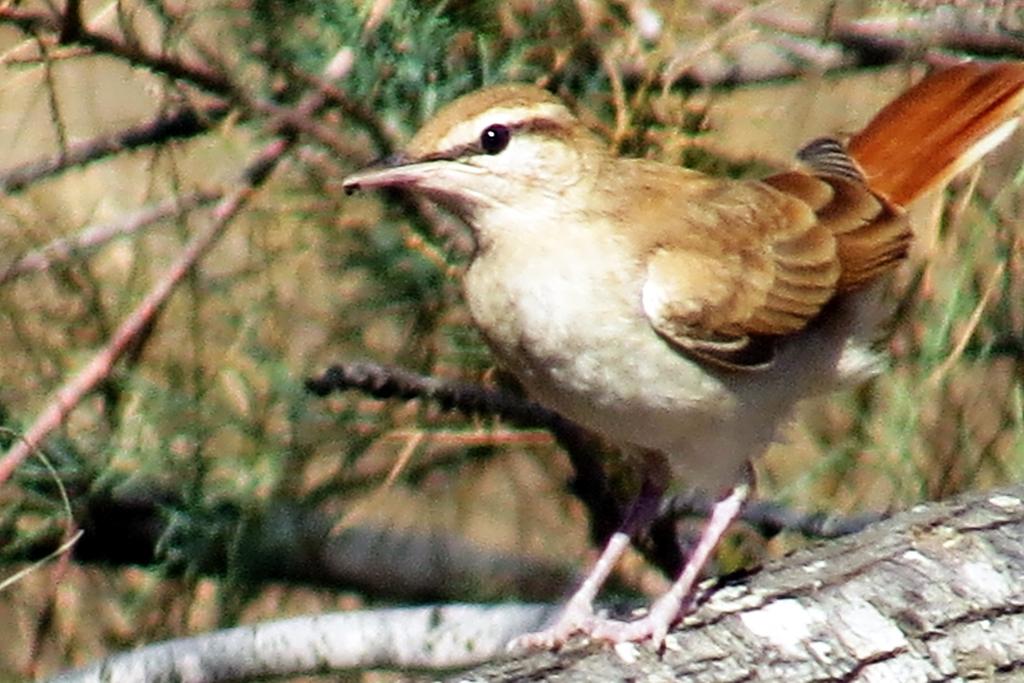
(754, 261)
(763, 270)
(872, 234)
(751, 262)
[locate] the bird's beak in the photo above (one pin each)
(397, 170)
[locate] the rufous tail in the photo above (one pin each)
(939, 127)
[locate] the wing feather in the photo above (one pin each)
(754, 261)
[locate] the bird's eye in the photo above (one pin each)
(495, 138)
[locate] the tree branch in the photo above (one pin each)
(139, 320)
(591, 484)
(182, 123)
(794, 44)
(421, 638)
(143, 525)
(935, 593)
(40, 22)
(91, 237)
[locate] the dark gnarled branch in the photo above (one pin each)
(591, 484)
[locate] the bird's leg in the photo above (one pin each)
(668, 608)
(578, 614)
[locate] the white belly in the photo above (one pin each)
(571, 327)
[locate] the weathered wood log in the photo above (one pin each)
(933, 594)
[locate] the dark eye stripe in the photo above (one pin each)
(539, 124)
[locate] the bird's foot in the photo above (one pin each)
(653, 627)
(577, 617)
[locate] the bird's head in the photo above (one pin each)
(506, 146)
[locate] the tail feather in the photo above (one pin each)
(941, 126)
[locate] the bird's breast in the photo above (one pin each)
(565, 316)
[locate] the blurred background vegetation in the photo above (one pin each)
(200, 460)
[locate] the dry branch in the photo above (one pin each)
(590, 486)
(279, 542)
(91, 237)
(182, 123)
(793, 43)
(936, 593)
(41, 23)
(418, 638)
(100, 366)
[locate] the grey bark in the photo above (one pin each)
(933, 594)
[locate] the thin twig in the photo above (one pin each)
(66, 248)
(972, 324)
(590, 482)
(98, 369)
(182, 123)
(73, 391)
(385, 140)
(359, 511)
(185, 122)
(39, 22)
(470, 399)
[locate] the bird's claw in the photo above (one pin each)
(653, 627)
(576, 618)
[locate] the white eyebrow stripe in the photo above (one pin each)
(468, 132)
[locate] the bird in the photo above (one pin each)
(678, 315)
